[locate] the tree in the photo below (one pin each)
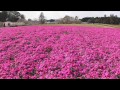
(76, 18)
(12, 16)
(77, 21)
(22, 16)
(68, 20)
(42, 18)
(3, 16)
(85, 19)
(105, 15)
(29, 20)
(112, 19)
(89, 21)
(97, 20)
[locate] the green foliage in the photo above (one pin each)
(12, 16)
(112, 19)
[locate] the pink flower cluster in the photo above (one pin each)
(59, 52)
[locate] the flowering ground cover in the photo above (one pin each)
(59, 52)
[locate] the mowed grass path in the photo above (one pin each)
(91, 25)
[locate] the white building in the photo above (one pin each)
(13, 24)
(7, 24)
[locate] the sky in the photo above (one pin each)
(60, 14)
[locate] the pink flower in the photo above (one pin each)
(51, 51)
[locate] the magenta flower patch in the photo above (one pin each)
(59, 52)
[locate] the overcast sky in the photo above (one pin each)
(61, 14)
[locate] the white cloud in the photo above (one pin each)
(60, 14)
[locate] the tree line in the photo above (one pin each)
(65, 20)
(14, 16)
(112, 19)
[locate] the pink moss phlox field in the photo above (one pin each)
(59, 52)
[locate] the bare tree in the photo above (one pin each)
(67, 20)
(42, 18)
(77, 21)
(76, 18)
